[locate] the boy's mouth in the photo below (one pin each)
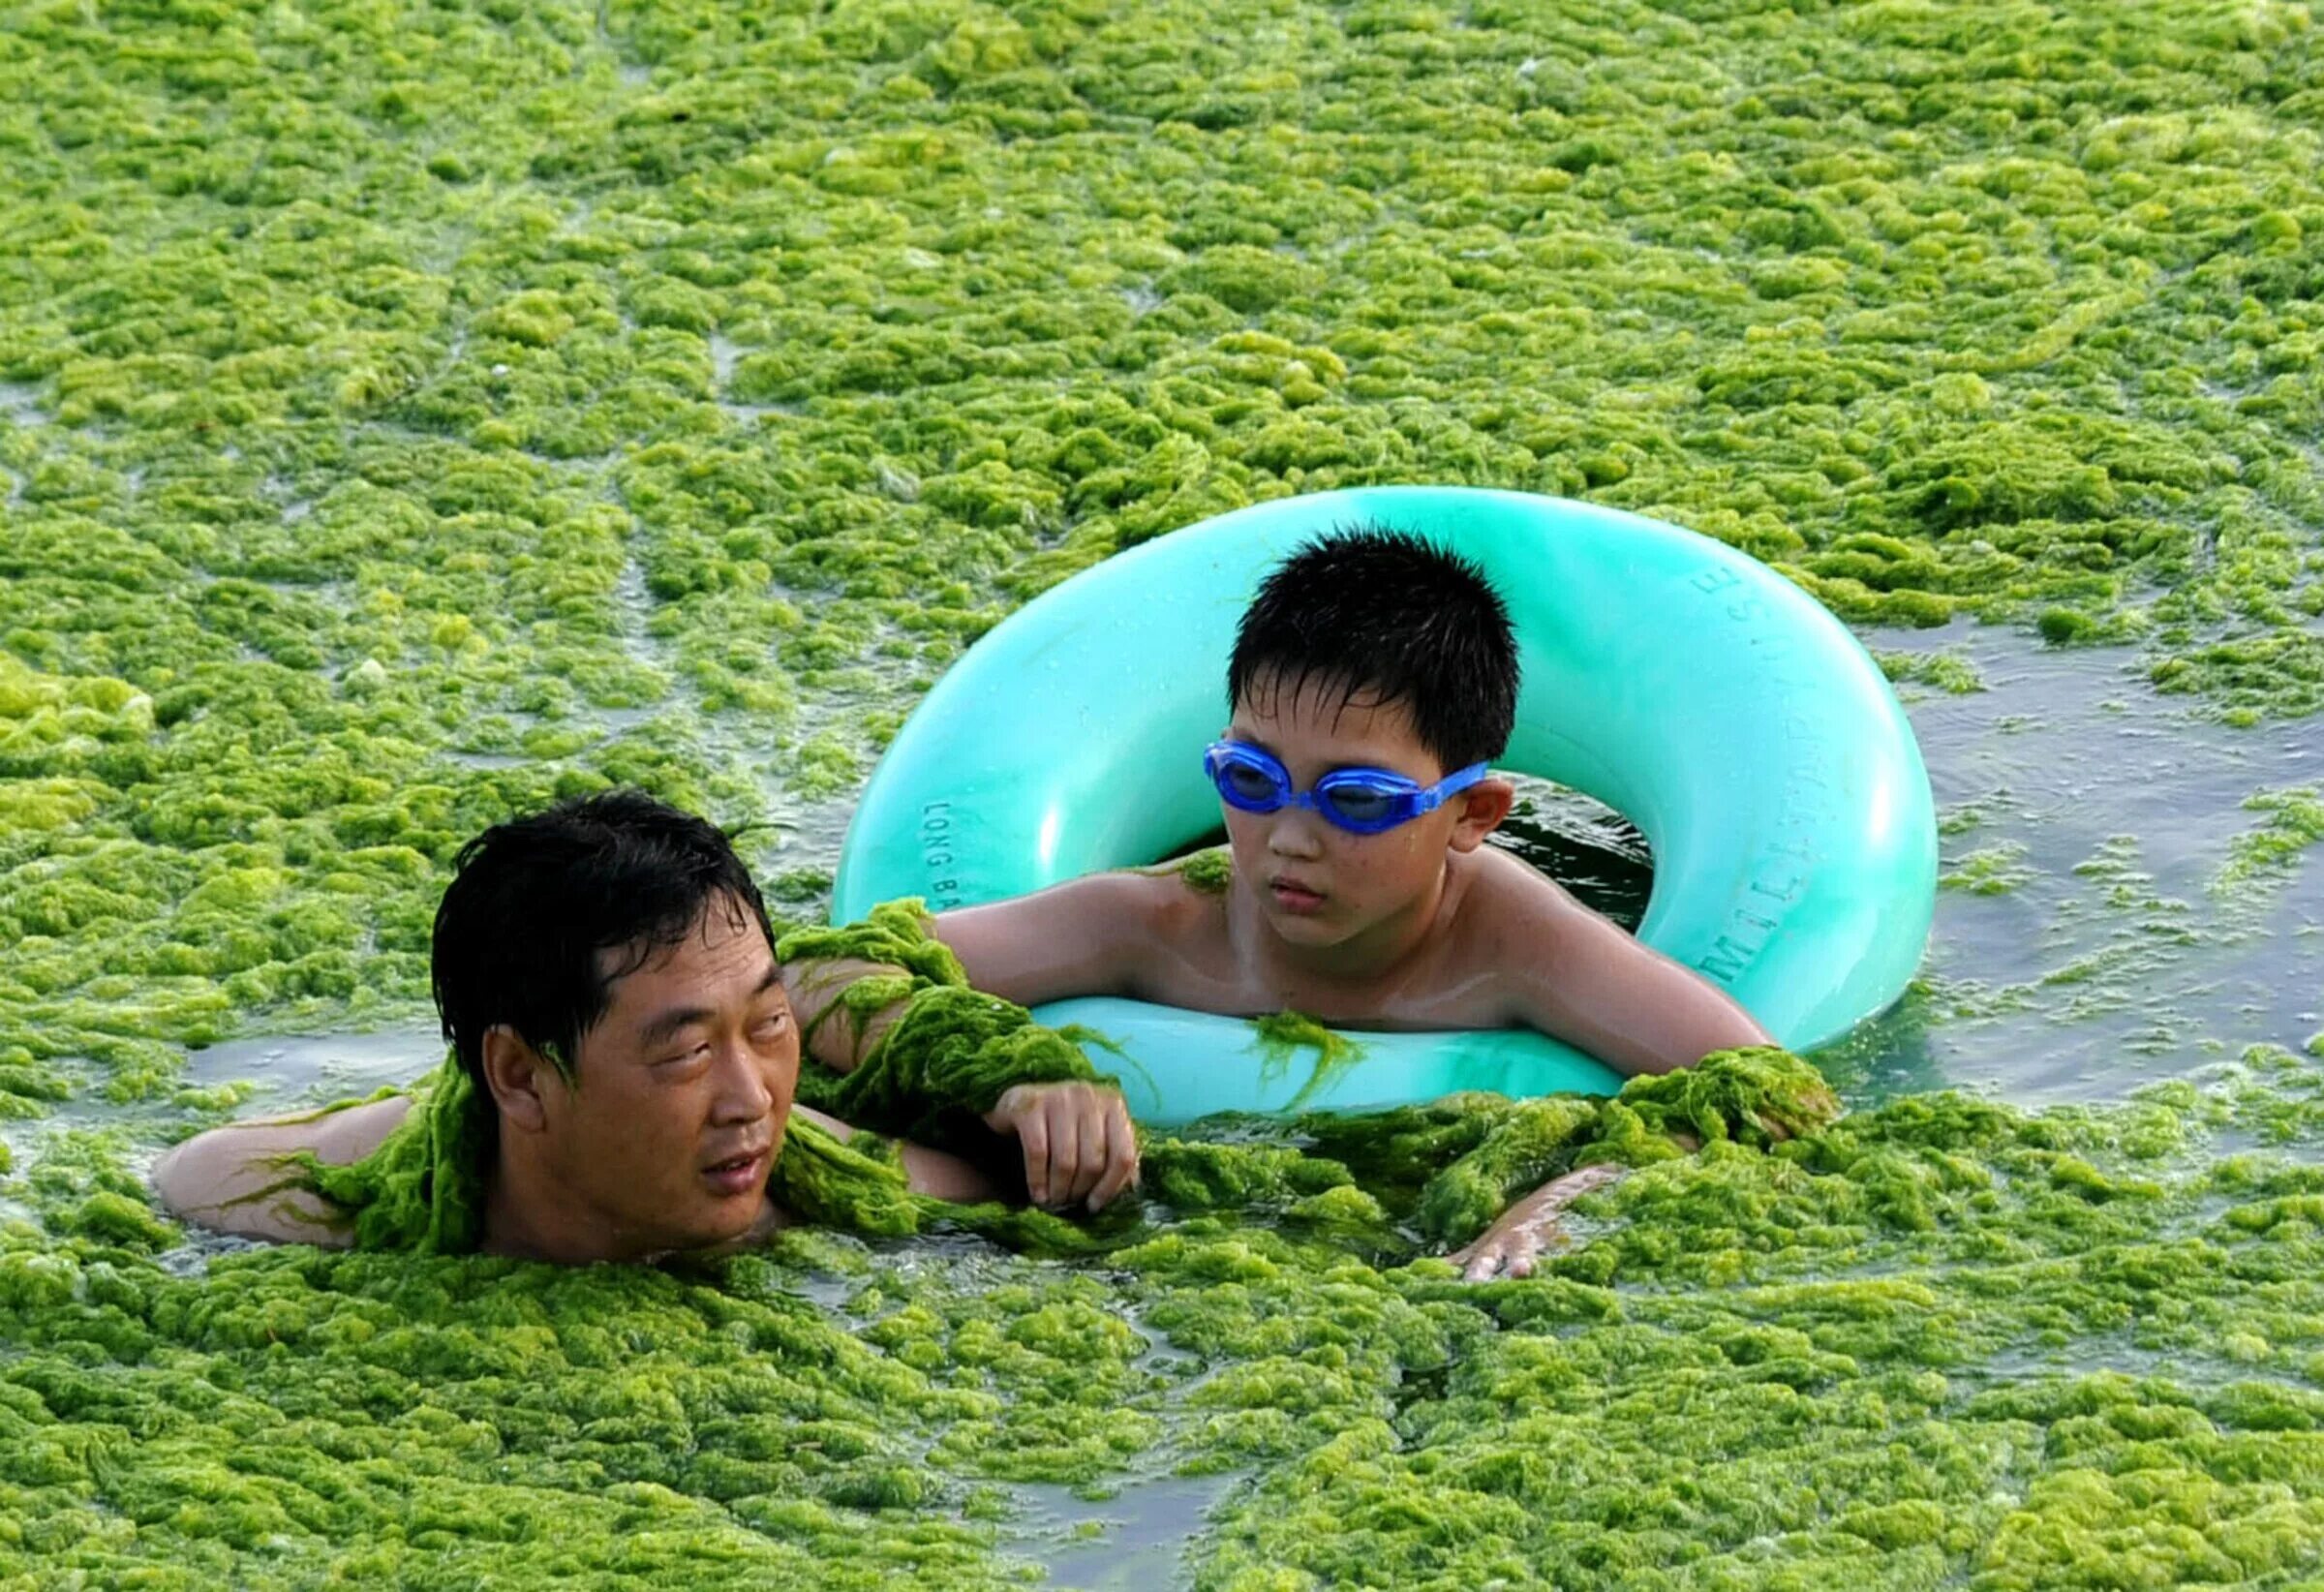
(1292, 896)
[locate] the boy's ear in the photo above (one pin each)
(1483, 804)
(518, 1074)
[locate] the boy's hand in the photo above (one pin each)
(1078, 1141)
(1519, 1235)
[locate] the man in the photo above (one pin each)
(623, 1064)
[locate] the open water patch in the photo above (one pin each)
(1134, 1539)
(2094, 933)
(287, 1071)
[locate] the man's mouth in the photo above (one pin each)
(1292, 896)
(738, 1174)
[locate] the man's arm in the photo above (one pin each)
(926, 1171)
(233, 1179)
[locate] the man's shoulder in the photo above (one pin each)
(336, 1135)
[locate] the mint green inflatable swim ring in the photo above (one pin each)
(1708, 700)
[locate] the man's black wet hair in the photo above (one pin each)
(535, 899)
(1387, 616)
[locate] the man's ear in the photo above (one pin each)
(518, 1074)
(1483, 807)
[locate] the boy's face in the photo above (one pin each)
(1321, 885)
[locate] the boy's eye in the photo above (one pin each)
(1248, 782)
(1366, 807)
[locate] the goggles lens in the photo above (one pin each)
(1253, 789)
(1362, 801)
(1359, 803)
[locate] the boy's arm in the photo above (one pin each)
(1087, 936)
(1076, 1138)
(1577, 977)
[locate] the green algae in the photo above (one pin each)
(1278, 1038)
(2294, 823)
(1946, 672)
(1936, 1339)
(1208, 872)
(617, 436)
(2279, 675)
(1988, 871)
(408, 414)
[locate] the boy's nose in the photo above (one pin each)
(1296, 833)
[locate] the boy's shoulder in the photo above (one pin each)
(1183, 884)
(1182, 902)
(1502, 897)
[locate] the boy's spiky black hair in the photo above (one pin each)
(1387, 614)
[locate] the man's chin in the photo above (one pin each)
(720, 1228)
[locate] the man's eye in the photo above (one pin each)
(773, 1023)
(684, 1056)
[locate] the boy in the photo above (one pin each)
(1373, 678)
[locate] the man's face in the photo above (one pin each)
(683, 1088)
(1318, 884)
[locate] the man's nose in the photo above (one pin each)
(743, 1093)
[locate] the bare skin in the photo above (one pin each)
(1422, 927)
(661, 1144)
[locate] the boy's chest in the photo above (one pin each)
(1439, 988)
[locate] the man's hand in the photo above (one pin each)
(1078, 1141)
(1518, 1236)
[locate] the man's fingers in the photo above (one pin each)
(1065, 1150)
(1090, 1121)
(1033, 1132)
(1121, 1154)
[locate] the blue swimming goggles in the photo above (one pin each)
(1362, 801)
